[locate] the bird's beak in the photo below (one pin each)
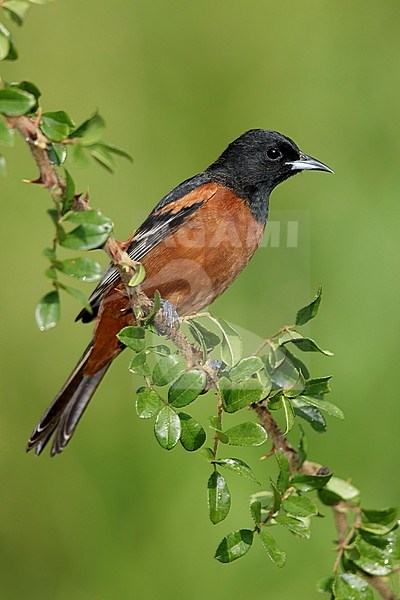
(307, 163)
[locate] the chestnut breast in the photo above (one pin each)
(196, 263)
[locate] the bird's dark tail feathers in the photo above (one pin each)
(64, 413)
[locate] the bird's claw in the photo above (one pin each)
(170, 317)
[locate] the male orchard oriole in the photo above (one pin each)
(193, 245)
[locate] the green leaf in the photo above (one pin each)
(15, 102)
(284, 472)
(8, 47)
(325, 584)
(90, 131)
(239, 395)
(373, 559)
(57, 154)
(187, 388)
(80, 268)
(337, 490)
(317, 387)
(255, 510)
(139, 276)
(231, 346)
(266, 499)
(77, 294)
(302, 449)
(348, 586)
(390, 541)
(51, 273)
(310, 414)
(321, 404)
(215, 424)
(160, 349)
(93, 230)
(379, 521)
(56, 125)
(308, 345)
(237, 466)
(307, 483)
(88, 217)
(138, 364)
(295, 526)
(79, 156)
(234, 546)
(289, 414)
(167, 369)
(47, 312)
(100, 153)
(219, 498)
(167, 428)
(114, 150)
(40, 1)
(7, 135)
(133, 337)
(245, 368)
(207, 454)
(285, 375)
(156, 307)
(31, 88)
(193, 435)
(69, 191)
(17, 8)
(148, 402)
(246, 434)
(266, 382)
(277, 555)
(3, 166)
(4, 45)
(277, 498)
(206, 338)
(309, 312)
(300, 366)
(299, 506)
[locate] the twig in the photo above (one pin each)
(341, 527)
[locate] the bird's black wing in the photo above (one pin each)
(163, 219)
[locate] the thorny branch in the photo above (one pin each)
(54, 183)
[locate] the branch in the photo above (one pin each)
(280, 442)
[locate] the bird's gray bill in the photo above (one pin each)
(308, 163)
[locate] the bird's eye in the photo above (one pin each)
(274, 153)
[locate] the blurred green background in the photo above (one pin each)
(116, 516)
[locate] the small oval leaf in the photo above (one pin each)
(219, 498)
(148, 403)
(167, 428)
(234, 545)
(193, 435)
(187, 388)
(133, 337)
(246, 434)
(167, 369)
(277, 555)
(48, 311)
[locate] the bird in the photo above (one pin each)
(193, 244)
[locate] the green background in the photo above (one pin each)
(116, 516)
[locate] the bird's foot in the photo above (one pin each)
(171, 319)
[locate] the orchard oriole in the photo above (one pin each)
(193, 245)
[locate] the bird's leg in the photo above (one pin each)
(170, 318)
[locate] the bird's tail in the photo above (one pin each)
(64, 413)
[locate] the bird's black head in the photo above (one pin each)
(256, 162)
